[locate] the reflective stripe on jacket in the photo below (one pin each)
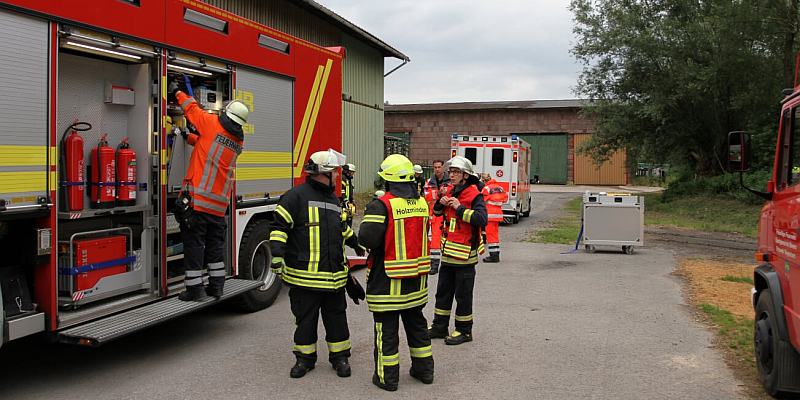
(210, 175)
(495, 196)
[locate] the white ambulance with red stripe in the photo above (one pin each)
(507, 159)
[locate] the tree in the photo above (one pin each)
(668, 79)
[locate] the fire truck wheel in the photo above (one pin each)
(254, 262)
(772, 353)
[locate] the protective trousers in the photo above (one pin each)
(204, 244)
(387, 356)
(306, 306)
(493, 237)
(454, 281)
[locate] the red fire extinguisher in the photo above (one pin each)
(71, 166)
(103, 176)
(126, 174)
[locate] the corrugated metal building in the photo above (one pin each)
(552, 127)
(363, 70)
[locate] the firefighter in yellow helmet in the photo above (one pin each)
(307, 242)
(465, 216)
(394, 228)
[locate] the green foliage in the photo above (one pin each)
(667, 80)
(724, 186)
(738, 279)
(704, 211)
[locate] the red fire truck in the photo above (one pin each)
(508, 160)
(776, 295)
(91, 159)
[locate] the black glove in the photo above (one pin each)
(173, 88)
(360, 251)
(185, 133)
(277, 265)
(354, 289)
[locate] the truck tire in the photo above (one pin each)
(773, 355)
(254, 262)
(527, 214)
(516, 218)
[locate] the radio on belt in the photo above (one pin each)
(612, 219)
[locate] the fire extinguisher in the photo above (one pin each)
(71, 167)
(103, 176)
(126, 174)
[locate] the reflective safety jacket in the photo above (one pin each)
(307, 232)
(395, 230)
(210, 175)
(347, 190)
(462, 240)
(495, 196)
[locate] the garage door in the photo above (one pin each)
(611, 172)
(548, 156)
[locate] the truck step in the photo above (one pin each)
(106, 329)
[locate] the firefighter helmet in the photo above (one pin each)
(417, 169)
(237, 112)
(323, 162)
(349, 167)
(461, 163)
(397, 168)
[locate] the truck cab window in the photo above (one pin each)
(497, 157)
(789, 173)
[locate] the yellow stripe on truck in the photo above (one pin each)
(310, 117)
(22, 182)
(14, 156)
(264, 157)
(253, 174)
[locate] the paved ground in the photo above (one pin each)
(547, 326)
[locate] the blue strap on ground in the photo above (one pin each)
(577, 242)
(96, 266)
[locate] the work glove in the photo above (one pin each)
(277, 265)
(361, 251)
(188, 85)
(354, 289)
(172, 89)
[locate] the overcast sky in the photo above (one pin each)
(471, 50)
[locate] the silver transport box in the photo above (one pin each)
(612, 219)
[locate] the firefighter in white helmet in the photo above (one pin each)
(307, 242)
(465, 216)
(421, 182)
(394, 228)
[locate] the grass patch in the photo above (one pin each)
(740, 279)
(706, 212)
(736, 332)
(565, 229)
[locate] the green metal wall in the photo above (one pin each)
(548, 156)
(362, 110)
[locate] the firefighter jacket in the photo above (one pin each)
(216, 147)
(347, 189)
(495, 196)
(421, 183)
(462, 240)
(308, 233)
(435, 188)
(394, 228)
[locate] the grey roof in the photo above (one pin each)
(486, 105)
(352, 29)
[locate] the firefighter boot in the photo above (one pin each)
(424, 377)
(385, 386)
(299, 370)
(214, 292)
(342, 368)
(434, 333)
(191, 294)
(458, 338)
(494, 256)
(434, 267)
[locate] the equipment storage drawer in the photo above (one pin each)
(94, 259)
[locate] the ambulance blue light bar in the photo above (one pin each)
(513, 137)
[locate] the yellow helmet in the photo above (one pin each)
(397, 168)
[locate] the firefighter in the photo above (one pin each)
(206, 191)
(436, 185)
(464, 212)
(419, 179)
(307, 242)
(394, 229)
(348, 190)
(494, 196)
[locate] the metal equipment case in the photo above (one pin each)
(612, 219)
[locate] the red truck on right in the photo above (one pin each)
(776, 291)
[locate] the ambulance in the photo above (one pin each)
(508, 160)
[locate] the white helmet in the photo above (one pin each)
(325, 161)
(349, 167)
(461, 163)
(417, 169)
(237, 112)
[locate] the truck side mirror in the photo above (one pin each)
(739, 151)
